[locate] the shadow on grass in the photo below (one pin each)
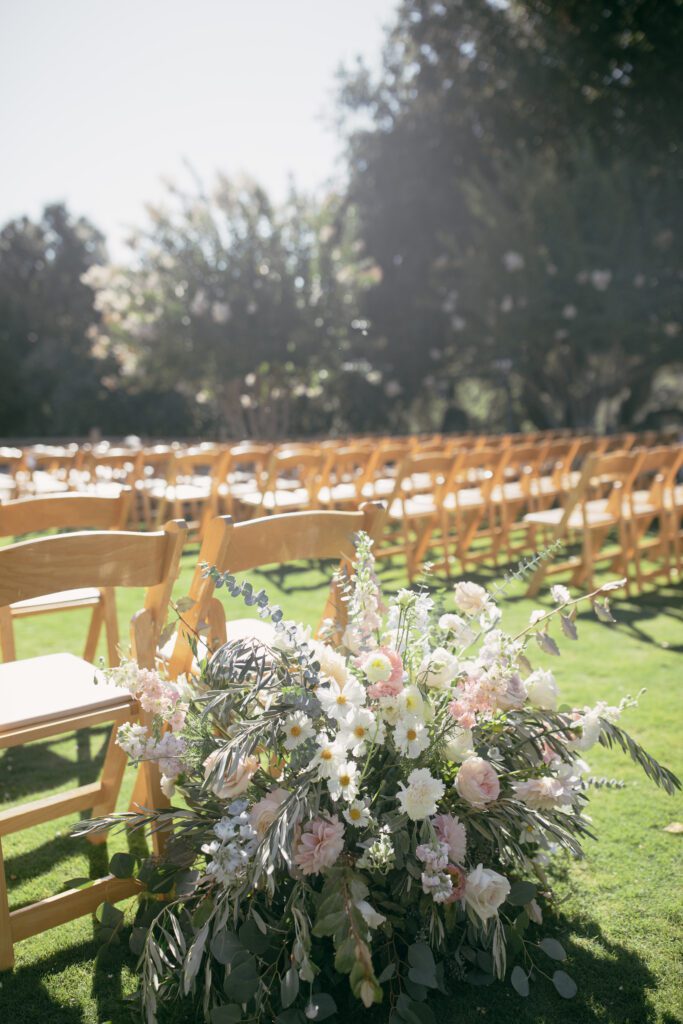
(613, 986)
(28, 769)
(26, 996)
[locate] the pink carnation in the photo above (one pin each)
(451, 832)
(321, 842)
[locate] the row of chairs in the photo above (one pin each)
(203, 479)
(50, 695)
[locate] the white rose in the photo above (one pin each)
(485, 891)
(470, 598)
(439, 668)
(542, 689)
(458, 627)
(459, 744)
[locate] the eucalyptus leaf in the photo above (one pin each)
(224, 945)
(241, 978)
(122, 865)
(320, 1006)
(553, 949)
(289, 987)
(565, 985)
(230, 1013)
(520, 981)
(521, 893)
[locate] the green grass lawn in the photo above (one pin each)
(621, 915)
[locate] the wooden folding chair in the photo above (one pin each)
(55, 694)
(473, 528)
(242, 547)
(590, 516)
(13, 471)
(239, 471)
(343, 477)
(292, 482)
(186, 492)
(650, 492)
(65, 512)
(416, 519)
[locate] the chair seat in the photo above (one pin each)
(85, 597)
(338, 492)
(465, 497)
(510, 491)
(420, 507)
(53, 686)
(281, 500)
(596, 515)
(380, 488)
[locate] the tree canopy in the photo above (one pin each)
(507, 253)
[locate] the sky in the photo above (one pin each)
(102, 99)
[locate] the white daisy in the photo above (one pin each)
(357, 814)
(343, 784)
(336, 701)
(411, 737)
(411, 702)
(359, 728)
(329, 754)
(297, 729)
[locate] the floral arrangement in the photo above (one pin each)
(378, 805)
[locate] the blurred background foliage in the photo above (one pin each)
(507, 254)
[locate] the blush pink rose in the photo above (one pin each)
(265, 811)
(230, 785)
(477, 782)
(319, 845)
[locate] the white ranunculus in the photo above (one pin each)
(485, 891)
(542, 690)
(438, 668)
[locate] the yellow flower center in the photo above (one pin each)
(411, 734)
(341, 699)
(326, 755)
(354, 813)
(296, 730)
(345, 780)
(359, 731)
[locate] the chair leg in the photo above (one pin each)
(112, 776)
(94, 633)
(6, 944)
(111, 626)
(7, 647)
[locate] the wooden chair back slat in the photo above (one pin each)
(63, 512)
